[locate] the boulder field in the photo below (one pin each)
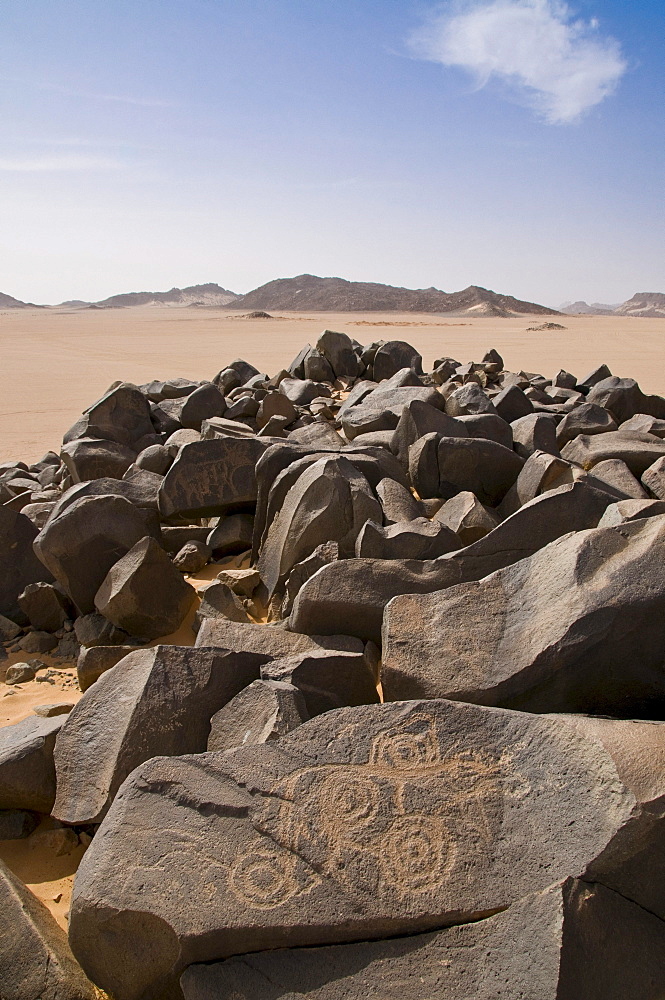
(408, 742)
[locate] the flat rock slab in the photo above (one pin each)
(577, 627)
(211, 477)
(36, 962)
(27, 772)
(363, 823)
(570, 941)
(154, 701)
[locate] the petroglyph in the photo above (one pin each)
(391, 826)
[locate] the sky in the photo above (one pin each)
(513, 144)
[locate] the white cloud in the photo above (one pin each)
(563, 66)
(40, 164)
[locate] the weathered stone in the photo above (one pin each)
(419, 418)
(16, 824)
(19, 566)
(220, 427)
(317, 367)
(80, 545)
(38, 642)
(638, 451)
(352, 593)
(594, 377)
(488, 425)
(588, 418)
(172, 388)
(27, 774)
(230, 535)
(212, 477)
(36, 962)
(654, 478)
(540, 472)
(572, 940)
(328, 679)
(630, 510)
(497, 641)
(241, 581)
(93, 661)
(535, 432)
(381, 409)
(337, 348)
(138, 491)
(245, 408)
(330, 501)
(8, 629)
(269, 641)
(20, 673)
(96, 630)
(318, 436)
(45, 606)
(301, 392)
(205, 402)
(467, 517)
(122, 415)
(624, 398)
(323, 554)
(394, 355)
(144, 593)
(174, 537)
(416, 539)
(398, 503)
(263, 711)
(219, 601)
(51, 711)
(368, 822)
(88, 458)
(155, 458)
(644, 424)
(511, 404)
(192, 557)
(478, 465)
(275, 404)
(467, 400)
(154, 702)
(616, 473)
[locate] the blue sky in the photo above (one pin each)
(515, 144)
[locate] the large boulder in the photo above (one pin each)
(381, 409)
(394, 355)
(419, 418)
(587, 418)
(351, 594)
(212, 477)
(27, 773)
(330, 501)
(624, 398)
(327, 678)
(369, 822)
(19, 565)
(337, 349)
(122, 415)
(573, 940)
(637, 450)
(577, 627)
(143, 592)
(154, 702)
(417, 539)
(81, 544)
(484, 467)
(46, 606)
(36, 962)
(90, 458)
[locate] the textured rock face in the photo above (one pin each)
(570, 941)
(363, 823)
(80, 545)
(27, 772)
(212, 477)
(576, 627)
(19, 566)
(154, 701)
(263, 711)
(36, 962)
(143, 593)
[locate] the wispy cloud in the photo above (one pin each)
(43, 164)
(561, 65)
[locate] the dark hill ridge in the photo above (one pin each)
(9, 302)
(209, 294)
(309, 292)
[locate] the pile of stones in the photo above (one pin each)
(395, 754)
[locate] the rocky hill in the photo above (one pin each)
(582, 308)
(309, 292)
(9, 302)
(209, 294)
(648, 304)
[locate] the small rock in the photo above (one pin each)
(16, 824)
(49, 711)
(20, 673)
(192, 557)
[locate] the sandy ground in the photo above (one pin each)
(48, 875)
(57, 362)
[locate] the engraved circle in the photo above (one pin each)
(406, 750)
(349, 800)
(262, 878)
(414, 852)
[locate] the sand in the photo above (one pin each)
(56, 362)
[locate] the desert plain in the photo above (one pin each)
(56, 362)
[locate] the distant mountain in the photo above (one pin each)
(9, 302)
(194, 295)
(648, 304)
(309, 292)
(74, 304)
(584, 309)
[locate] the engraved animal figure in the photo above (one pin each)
(388, 827)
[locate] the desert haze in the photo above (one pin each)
(56, 362)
